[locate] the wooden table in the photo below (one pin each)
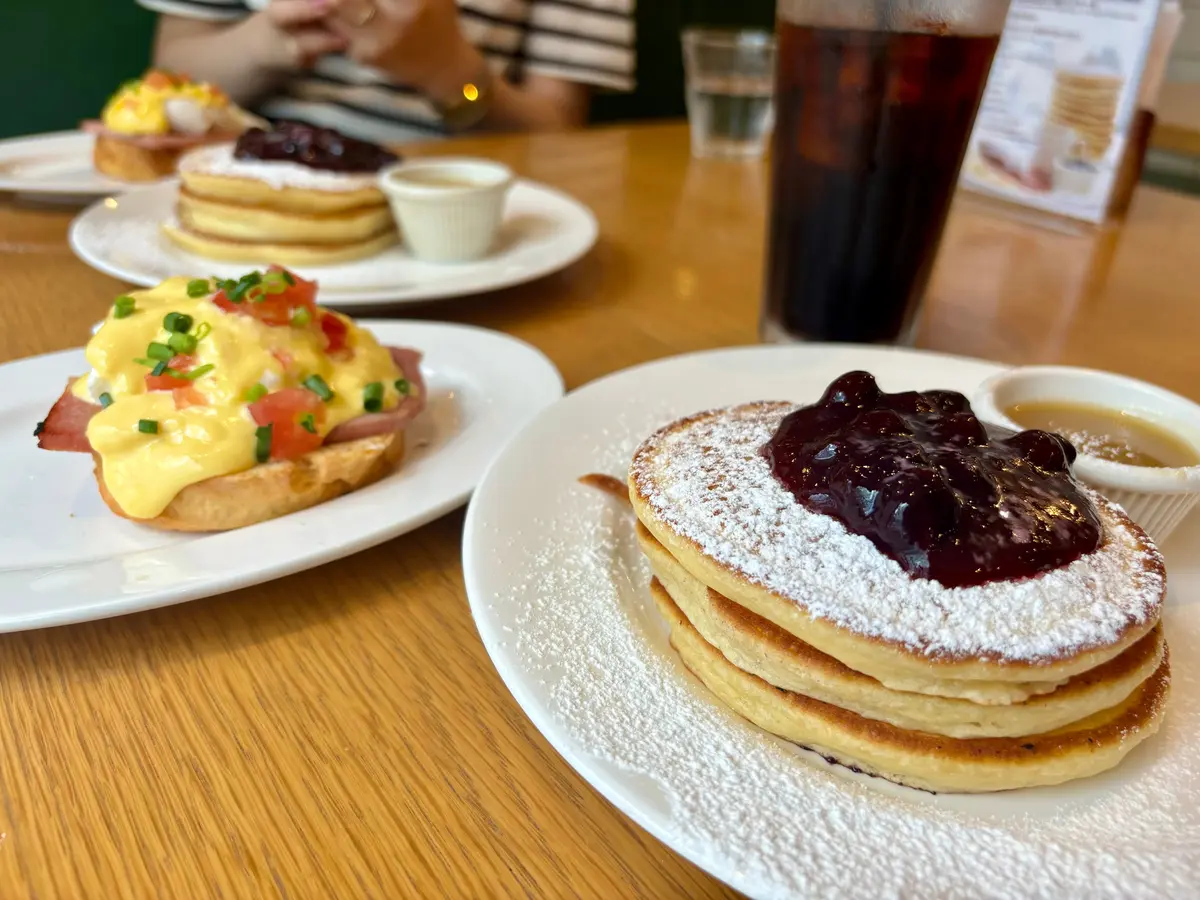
(341, 732)
(1178, 126)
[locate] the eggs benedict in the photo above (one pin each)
(150, 121)
(213, 404)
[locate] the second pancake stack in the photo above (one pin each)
(813, 634)
(253, 210)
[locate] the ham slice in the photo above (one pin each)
(171, 141)
(65, 426)
(409, 363)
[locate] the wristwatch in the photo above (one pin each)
(471, 104)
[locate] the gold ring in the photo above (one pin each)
(366, 17)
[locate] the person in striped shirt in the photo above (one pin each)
(396, 70)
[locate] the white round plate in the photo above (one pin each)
(543, 231)
(559, 592)
(58, 163)
(64, 557)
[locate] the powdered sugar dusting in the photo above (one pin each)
(708, 483)
(218, 159)
(574, 631)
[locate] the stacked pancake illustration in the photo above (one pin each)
(879, 579)
(1086, 102)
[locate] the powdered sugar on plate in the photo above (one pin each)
(559, 592)
(218, 159)
(708, 482)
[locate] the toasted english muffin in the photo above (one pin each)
(273, 489)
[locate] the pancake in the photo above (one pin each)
(759, 648)
(701, 487)
(215, 247)
(240, 222)
(914, 758)
(214, 174)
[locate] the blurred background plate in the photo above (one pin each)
(544, 230)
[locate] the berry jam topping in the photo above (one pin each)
(917, 474)
(317, 148)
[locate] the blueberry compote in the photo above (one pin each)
(917, 474)
(317, 148)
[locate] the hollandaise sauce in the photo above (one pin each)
(197, 379)
(140, 106)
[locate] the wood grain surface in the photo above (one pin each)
(341, 733)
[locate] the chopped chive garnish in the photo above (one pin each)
(198, 287)
(159, 367)
(148, 426)
(273, 283)
(287, 276)
(178, 323)
(237, 291)
(262, 443)
(203, 330)
(255, 392)
(159, 351)
(197, 372)
(146, 362)
(403, 386)
(373, 396)
(105, 400)
(317, 385)
(308, 423)
(123, 307)
(301, 317)
(181, 343)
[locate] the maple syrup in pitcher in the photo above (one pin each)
(874, 105)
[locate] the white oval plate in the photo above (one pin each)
(543, 231)
(56, 163)
(64, 557)
(559, 592)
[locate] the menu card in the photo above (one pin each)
(1054, 121)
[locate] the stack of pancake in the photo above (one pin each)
(1087, 104)
(813, 634)
(277, 211)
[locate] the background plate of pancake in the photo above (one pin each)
(543, 231)
(748, 746)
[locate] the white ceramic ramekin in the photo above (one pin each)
(442, 222)
(1158, 499)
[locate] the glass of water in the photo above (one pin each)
(730, 81)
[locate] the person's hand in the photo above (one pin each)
(416, 42)
(293, 34)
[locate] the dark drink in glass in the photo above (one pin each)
(873, 111)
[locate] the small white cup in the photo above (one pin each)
(1158, 499)
(449, 208)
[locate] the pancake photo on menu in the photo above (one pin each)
(876, 578)
(296, 194)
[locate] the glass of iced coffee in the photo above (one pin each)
(874, 104)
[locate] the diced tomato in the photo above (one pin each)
(273, 309)
(180, 363)
(188, 396)
(283, 411)
(336, 332)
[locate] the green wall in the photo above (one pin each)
(62, 58)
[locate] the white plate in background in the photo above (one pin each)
(58, 163)
(543, 231)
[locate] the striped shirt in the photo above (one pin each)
(589, 42)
